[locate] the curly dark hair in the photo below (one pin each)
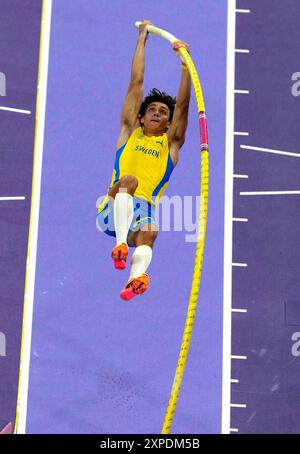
(160, 96)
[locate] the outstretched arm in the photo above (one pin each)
(176, 132)
(134, 97)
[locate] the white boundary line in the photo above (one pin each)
(34, 217)
(13, 198)
(243, 265)
(242, 51)
(240, 176)
(243, 11)
(270, 150)
(240, 219)
(239, 310)
(227, 289)
(12, 109)
(238, 357)
(240, 133)
(242, 92)
(271, 193)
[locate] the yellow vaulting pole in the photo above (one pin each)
(201, 234)
(198, 263)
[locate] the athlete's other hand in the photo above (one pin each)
(143, 29)
(179, 43)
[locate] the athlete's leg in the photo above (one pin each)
(143, 240)
(142, 256)
(129, 182)
(122, 193)
(147, 234)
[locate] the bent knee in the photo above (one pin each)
(152, 235)
(148, 233)
(130, 182)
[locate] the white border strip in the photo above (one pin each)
(34, 217)
(226, 373)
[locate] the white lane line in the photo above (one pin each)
(271, 193)
(228, 225)
(239, 310)
(240, 264)
(242, 92)
(12, 198)
(238, 405)
(241, 133)
(240, 176)
(21, 414)
(12, 109)
(233, 380)
(245, 11)
(242, 51)
(240, 219)
(234, 430)
(238, 357)
(270, 150)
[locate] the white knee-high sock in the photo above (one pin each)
(140, 260)
(123, 215)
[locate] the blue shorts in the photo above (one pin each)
(143, 213)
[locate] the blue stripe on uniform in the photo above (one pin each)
(165, 178)
(117, 162)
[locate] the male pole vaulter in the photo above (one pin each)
(152, 133)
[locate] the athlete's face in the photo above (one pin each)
(156, 117)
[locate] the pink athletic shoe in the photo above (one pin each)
(135, 286)
(119, 256)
